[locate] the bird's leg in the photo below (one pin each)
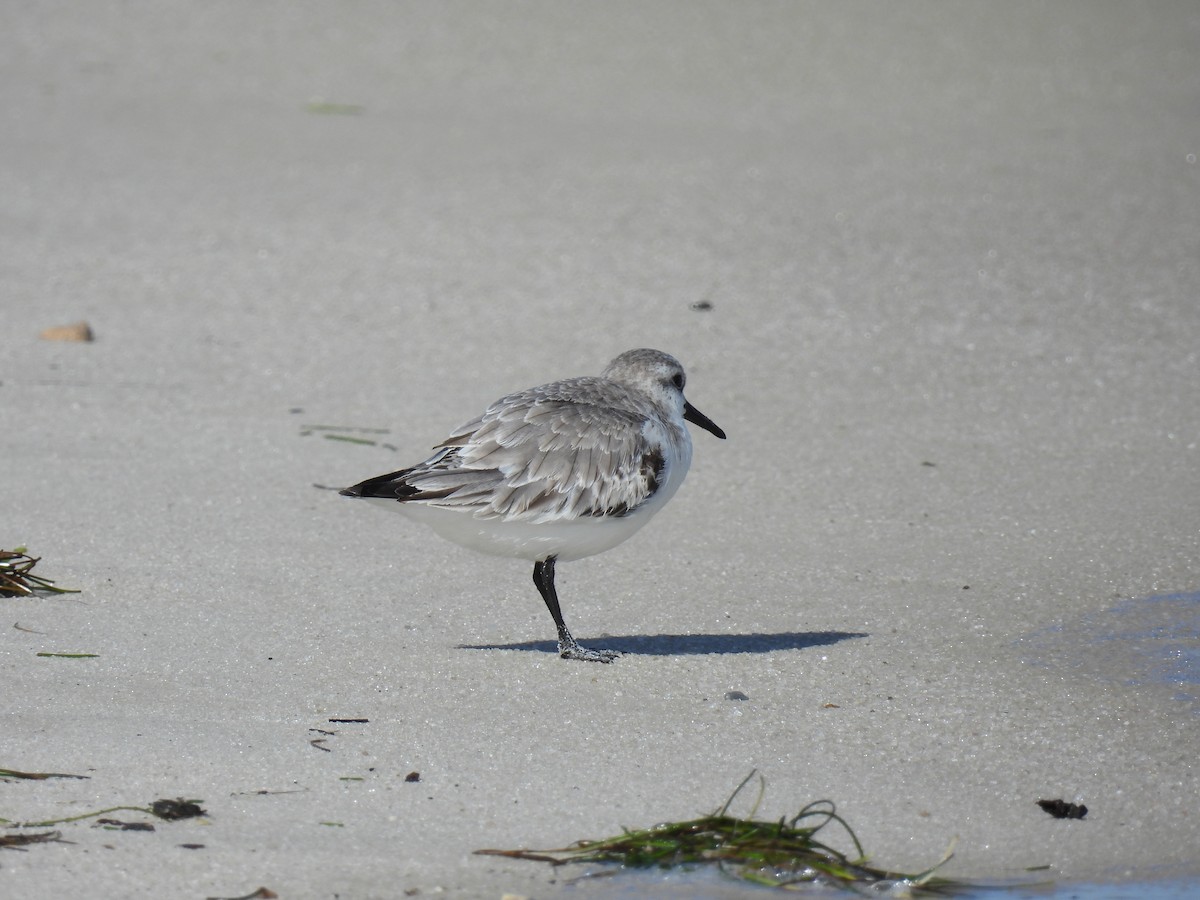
(568, 647)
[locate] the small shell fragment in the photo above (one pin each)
(79, 331)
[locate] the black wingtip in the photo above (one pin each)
(388, 487)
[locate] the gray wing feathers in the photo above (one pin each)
(531, 457)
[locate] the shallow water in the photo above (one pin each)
(1152, 641)
(1153, 890)
(711, 885)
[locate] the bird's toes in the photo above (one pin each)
(587, 655)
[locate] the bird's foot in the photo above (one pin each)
(575, 650)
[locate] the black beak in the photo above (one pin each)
(696, 417)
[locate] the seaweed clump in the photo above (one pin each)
(783, 854)
(17, 578)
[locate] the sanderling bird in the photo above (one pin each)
(557, 472)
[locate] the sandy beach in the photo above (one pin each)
(935, 270)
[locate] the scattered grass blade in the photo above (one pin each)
(36, 776)
(170, 810)
(21, 841)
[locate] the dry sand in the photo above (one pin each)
(951, 261)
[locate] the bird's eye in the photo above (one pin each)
(678, 380)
